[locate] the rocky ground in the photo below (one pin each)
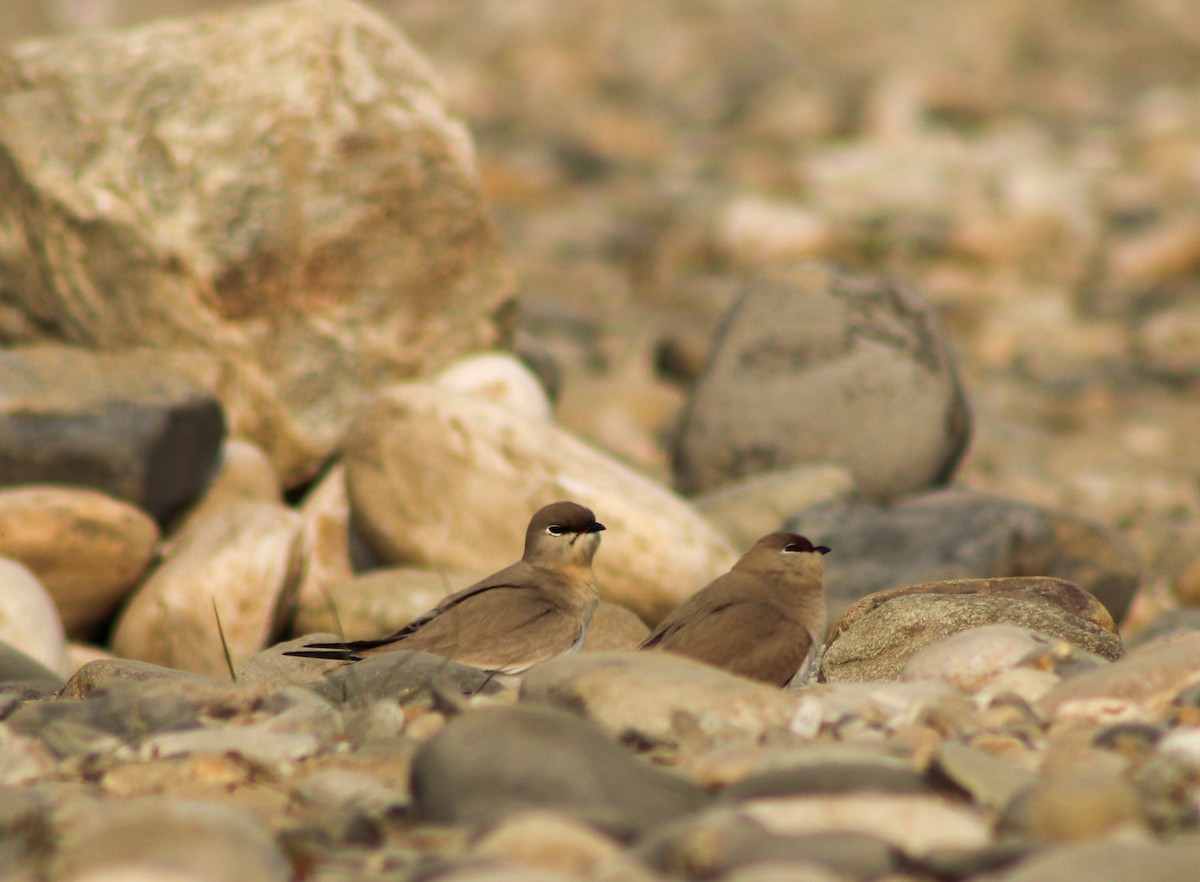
(259, 230)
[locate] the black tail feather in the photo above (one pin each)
(342, 654)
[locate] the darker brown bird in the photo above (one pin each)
(526, 613)
(764, 619)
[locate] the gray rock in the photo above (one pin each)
(659, 697)
(115, 422)
(831, 771)
(102, 671)
(489, 763)
(876, 643)
(401, 676)
(960, 534)
(614, 627)
(1169, 623)
(991, 782)
(1073, 806)
(88, 549)
(1105, 860)
(26, 831)
(1097, 558)
(750, 508)
(719, 842)
(19, 672)
(1151, 677)
(206, 840)
(816, 365)
(289, 265)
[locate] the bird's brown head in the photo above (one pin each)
(786, 553)
(562, 533)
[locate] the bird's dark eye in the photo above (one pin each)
(793, 548)
(555, 530)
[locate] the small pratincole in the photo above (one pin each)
(526, 613)
(764, 619)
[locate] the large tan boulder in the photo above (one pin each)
(277, 199)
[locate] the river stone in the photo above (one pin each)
(244, 560)
(490, 763)
(29, 622)
(869, 380)
(614, 627)
(1149, 678)
(87, 548)
(217, 842)
(402, 676)
(976, 657)
(959, 533)
(1097, 558)
(443, 479)
(875, 640)
(499, 377)
(280, 188)
(990, 781)
(96, 674)
(117, 422)
(20, 672)
(720, 842)
(829, 770)
(747, 510)
(1080, 805)
(244, 472)
(1109, 860)
(914, 823)
(378, 602)
(651, 695)
(547, 840)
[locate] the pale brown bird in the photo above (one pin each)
(764, 619)
(526, 613)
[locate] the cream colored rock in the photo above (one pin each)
(972, 658)
(501, 378)
(440, 478)
(376, 603)
(244, 559)
(915, 824)
(614, 627)
(28, 619)
(244, 471)
(652, 693)
(80, 654)
(548, 840)
(87, 548)
(325, 542)
(749, 509)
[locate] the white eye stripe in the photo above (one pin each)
(555, 530)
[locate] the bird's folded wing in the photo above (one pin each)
(749, 638)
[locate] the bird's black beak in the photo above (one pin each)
(824, 549)
(595, 528)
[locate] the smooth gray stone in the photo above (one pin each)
(718, 842)
(116, 422)
(832, 774)
(104, 671)
(20, 672)
(402, 676)
(489, 763)
(815, 364)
